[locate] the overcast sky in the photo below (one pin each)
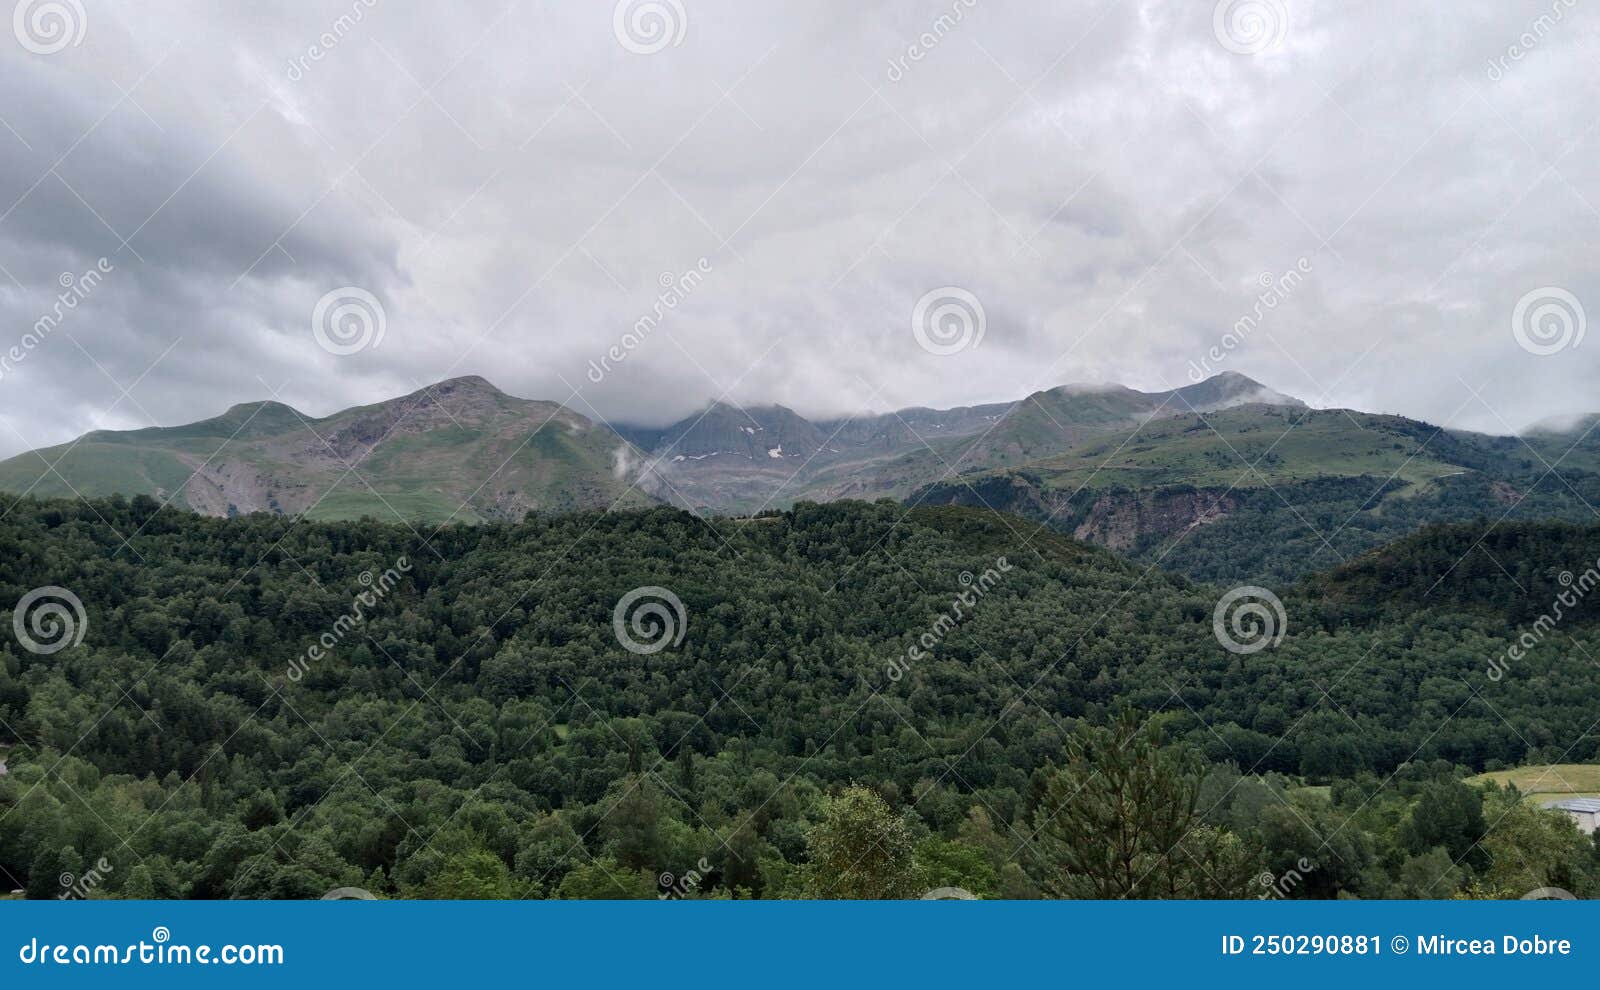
(1112, 182)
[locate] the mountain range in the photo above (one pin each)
(1223, 478)
(460, 450)
(733, 459)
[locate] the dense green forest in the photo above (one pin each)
(860, 701)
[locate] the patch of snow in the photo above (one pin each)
(776, 452)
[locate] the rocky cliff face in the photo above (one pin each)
(1119, 521)
(1115, 520)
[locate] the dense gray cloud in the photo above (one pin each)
(1108, 179)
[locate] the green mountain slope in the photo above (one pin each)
(1220, 480)
(894, 454)
(460, 450)
(1269, 493)
(1050, 423)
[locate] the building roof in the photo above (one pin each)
(1589, 805)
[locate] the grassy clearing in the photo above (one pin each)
(1548, 782)
(416, 507)
(1208, 452)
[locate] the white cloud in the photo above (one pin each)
(1105, 177)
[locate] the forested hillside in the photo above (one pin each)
(854, 700)
(1516, 572)
(1271, 494)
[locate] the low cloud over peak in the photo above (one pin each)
(845, 207)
